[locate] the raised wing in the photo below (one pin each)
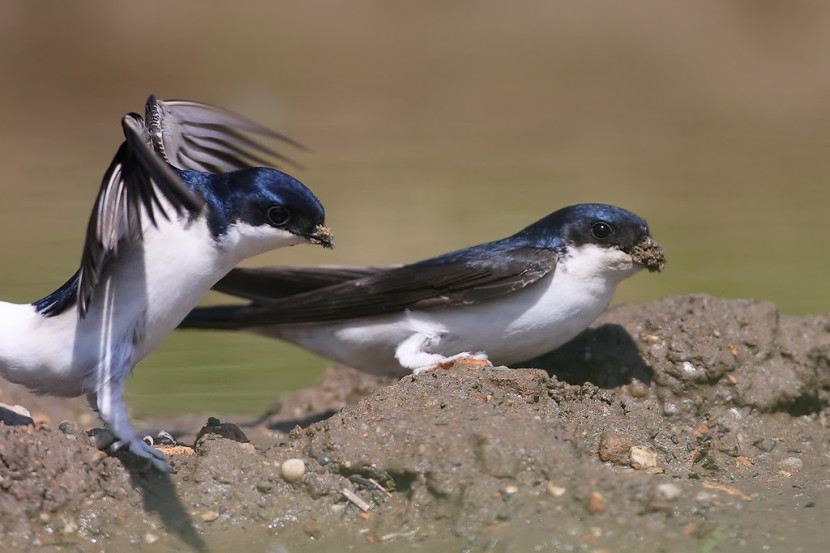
(425, 285)
(187, 135)
(200, 137)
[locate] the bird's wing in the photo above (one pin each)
(187, 135)
(200, 137)
(424, 285)
(130, 191)
(270, 283)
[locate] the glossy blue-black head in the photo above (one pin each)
(601, 225)
(260, 197)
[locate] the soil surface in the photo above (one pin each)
(689, 424)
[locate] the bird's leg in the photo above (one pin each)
(113, 411)
(412, 354)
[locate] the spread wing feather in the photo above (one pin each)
(186, 135)
(426, 285)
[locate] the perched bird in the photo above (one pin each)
(179, 206)
(508, 300)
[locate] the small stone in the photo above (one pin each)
(596, 503)
(292, 469)
(263, 487)
(70, 527)
(642, 457)
(45, 518)
(209, 516)
(637, 389)
(791, 464)
(150, 539)
(614, 449)
(668, 492)
(703, 498)
(511, 489)
(556, 491)
(313, 531)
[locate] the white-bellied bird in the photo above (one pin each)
(180, 205)
(507, 301)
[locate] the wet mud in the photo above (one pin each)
(689, 424)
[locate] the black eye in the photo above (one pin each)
(601, 230)
(278, 215)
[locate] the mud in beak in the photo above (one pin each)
(649, 254)
(323, 236)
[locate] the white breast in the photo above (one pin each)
(510, 329)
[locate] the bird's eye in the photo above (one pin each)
(601, 230)
(278, 215)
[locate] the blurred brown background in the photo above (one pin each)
(434, 126)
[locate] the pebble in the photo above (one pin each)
(668, 492)
(209, 516)
(637, 389)
(150, 539)
(614, 449)
(292, 469)
(596, 503)
(643, 456)
(556, 491)
(791, 464)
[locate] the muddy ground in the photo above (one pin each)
(689, 424)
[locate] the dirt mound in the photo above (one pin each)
(687, 424)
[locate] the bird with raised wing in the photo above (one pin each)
(181, 203)
(506, 301)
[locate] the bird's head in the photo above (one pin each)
(259, 209)
(617, 239)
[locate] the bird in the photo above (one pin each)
(182, 202)
(504, 301)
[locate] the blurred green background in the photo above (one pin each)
(434, 126)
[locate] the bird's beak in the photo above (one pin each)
(649, 254)
(322, 236)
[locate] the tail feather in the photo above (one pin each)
(220, 317)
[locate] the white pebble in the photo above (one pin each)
(292, 469)
(210, 516)
(643, 456)
(668, 492)
(791, 464)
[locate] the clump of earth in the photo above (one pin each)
(689, 424)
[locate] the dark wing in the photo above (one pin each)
(424, 285)
(188, 135)
(132, 185)
(200, 137)
(270, 283)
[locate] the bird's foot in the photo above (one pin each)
(467, 358)
(141, 448)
